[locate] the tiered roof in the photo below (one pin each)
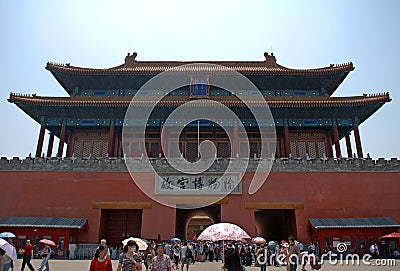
(136, 73)
(315, 107)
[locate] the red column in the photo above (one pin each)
(50, 146)
(62, 140)
(358, 141)
(111, 141)
(40, 140)
(328, 144)
(348, 146)
(70, 148)
(235, 146)
(287, 140)
(336, 140)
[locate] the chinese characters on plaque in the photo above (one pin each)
(198, 184)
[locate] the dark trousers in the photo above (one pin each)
(27, 261)
(263, 267)
(210, 256)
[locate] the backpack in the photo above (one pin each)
(188, 253)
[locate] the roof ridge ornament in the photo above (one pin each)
(269, 58)
(131, 58)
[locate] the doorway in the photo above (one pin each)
(275, 224)
(117, 225)
(194, 221)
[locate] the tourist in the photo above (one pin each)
(168, 250)
(2, 261)
(210, 252)
(45, 253)
(8, 262)
(217, 252)
(100, 261)
(293, 253)
(232, 260)
(161, 262)
(186, 254)
(260, 258)
(103, 242)
(129, 260)
(176, 251)
(27, 256)
(148, 257)
(285, 252)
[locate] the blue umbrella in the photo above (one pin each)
(7, 235)
(175, 239)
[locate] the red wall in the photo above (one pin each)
(324, 194)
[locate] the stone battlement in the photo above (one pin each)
(219, 165)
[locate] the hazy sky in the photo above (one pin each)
(98, 34)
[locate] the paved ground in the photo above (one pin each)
(77, 265)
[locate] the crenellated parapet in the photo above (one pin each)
(219, 165)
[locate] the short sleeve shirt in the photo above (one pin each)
(126, 262)
(161, 263)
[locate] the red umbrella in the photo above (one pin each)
(392, 235)
(47, 242)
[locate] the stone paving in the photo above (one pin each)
(77, 265)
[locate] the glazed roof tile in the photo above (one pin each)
(268, 66)
(43, 222)
(125, 101)
(334, 223)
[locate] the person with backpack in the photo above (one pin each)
(186, 255)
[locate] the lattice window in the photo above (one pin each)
(321, 148)
(77, 152)
(244, 150)
(305, 134)
(293, 149)
(104, 150)
(154, 149)
(96, 149)
(302, 151)
(191, 151)
(253, 150)
(312, 151)
(223, 150)
(87, 148)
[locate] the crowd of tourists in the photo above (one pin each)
(175, 255)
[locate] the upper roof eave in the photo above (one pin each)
(144, 67)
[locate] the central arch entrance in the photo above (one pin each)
(194, 221)
(196, 225)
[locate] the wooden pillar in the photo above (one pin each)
(336, 140)
(111, 140)
(235, 146)
(50, 146)
(286, 139)
(40, 140)
(358, 141)
(348, 146)
(62, 140)
(70, 148)
(328, 145)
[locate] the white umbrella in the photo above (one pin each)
(223, 231)
(141, 243)
(7, 234)
(9, 249)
